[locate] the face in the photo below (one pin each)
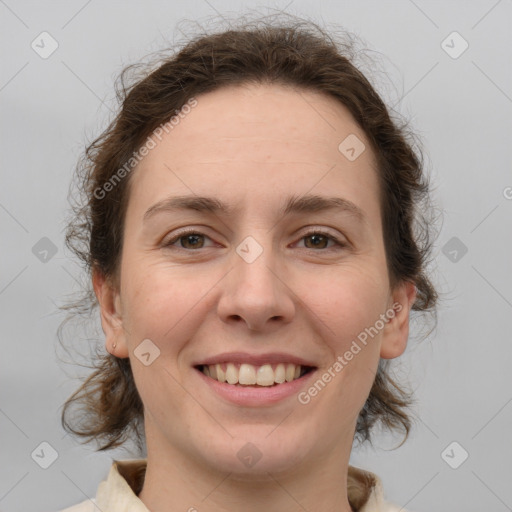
(277, 277)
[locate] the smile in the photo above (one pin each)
(245, 374)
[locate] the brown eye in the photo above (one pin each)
(320, 240)
(188, 240)
(191, 241)
(317, 241)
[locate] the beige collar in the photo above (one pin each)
(119, 492)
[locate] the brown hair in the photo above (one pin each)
(296, 53)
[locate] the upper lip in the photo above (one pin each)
(254, 359)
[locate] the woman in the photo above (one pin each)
(248, 228)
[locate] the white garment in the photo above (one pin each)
(118, 493)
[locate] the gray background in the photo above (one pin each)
(461, 108)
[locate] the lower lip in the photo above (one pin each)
(254, 396)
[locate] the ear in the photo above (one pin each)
(111, 315)
(396, 332)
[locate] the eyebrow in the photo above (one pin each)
(294, 204)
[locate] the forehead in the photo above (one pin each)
(280, 113)
(256, 142)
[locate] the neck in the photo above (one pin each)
(175, 482)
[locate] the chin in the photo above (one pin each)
(256, 454)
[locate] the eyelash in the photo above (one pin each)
(186, 233)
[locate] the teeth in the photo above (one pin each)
(249, 375)
(264, 376)
(221, 374)
(280, 373)
(290, 372)
(231, 374)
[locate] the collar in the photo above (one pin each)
(124, 482)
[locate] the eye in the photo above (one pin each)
(320, 238)
(193, 240)
(190, 239)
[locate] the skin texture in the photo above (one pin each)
(252, 147)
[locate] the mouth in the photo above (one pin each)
(249, 375)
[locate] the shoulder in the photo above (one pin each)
(84, 506)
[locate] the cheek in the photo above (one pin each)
(163, 304)
(345, 301)
(345, 311)
(165, 309)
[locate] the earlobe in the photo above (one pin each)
(396, 332)
(111, 314)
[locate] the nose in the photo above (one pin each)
(257, 294)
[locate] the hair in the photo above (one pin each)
(297, 53)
